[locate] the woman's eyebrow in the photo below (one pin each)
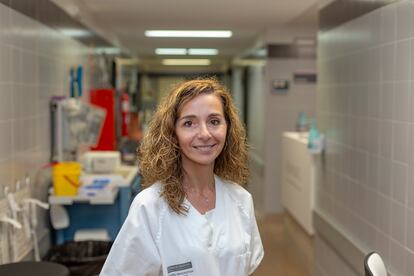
(215, 115)
(191, 116)
(187, 117)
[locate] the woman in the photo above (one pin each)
(195, 218)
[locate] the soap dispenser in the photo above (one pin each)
(315, 139)
(301, 124)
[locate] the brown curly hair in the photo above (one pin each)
(159, 153)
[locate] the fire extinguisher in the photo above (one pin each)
(124, 114)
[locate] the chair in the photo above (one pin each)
(374, 265)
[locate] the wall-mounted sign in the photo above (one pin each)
(280, 86)
(304, 77)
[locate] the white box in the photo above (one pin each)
(101, 161)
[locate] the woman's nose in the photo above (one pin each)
(204, 132)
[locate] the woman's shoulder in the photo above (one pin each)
(149, 198)
(145, 212)
(237, 192)
(234, 188)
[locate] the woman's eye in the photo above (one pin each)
(188, 123)
(215, 122)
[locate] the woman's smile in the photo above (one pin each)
(204, 146)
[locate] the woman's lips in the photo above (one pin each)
(205, 148)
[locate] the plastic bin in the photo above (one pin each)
(84, 258)
(66, 178)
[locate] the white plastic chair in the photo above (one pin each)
(374, 265)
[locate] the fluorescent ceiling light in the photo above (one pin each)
(188, 62)
(171, 51)
(202, 52)
(184, 51)
(75, 32)
(186, 33)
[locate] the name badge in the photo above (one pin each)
(183, 269)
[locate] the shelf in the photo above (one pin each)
(122, 177)
(107, 198)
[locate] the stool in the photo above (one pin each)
(39, 268)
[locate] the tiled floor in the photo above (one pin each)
(288, 249)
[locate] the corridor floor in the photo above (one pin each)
(288, 249)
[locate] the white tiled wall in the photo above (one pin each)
(366, 108)
(34, 65)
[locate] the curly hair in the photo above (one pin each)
(159, 153)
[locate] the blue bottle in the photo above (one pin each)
(302, 122)
(315, 139)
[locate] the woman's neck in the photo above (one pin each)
(199, 178)
(199, 187)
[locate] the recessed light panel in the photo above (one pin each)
(186, 62)
(188, 33)
(202, 52)
(171, 51)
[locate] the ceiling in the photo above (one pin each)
(123, 22)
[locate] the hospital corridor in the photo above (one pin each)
(207, 138)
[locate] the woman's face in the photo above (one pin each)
(201, 130)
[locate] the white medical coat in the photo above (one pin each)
(156, 241)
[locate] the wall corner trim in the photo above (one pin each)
(349, 251)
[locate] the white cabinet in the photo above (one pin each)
(299, 172)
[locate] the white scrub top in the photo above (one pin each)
(156, 241)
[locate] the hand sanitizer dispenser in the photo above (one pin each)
(301, 124)
(315, 139)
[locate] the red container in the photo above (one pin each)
(105, 98)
